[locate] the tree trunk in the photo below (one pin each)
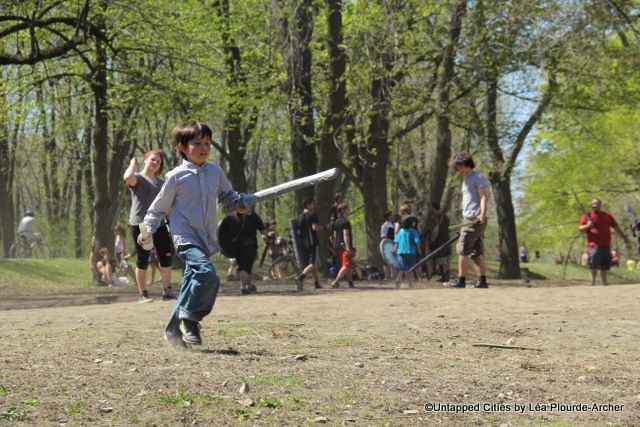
(235, 80)
(8, 144)
(77, 207)
(500, 183)
(296, 51)
(508, 239)
(102, 204)
(376, 157)
(440, 165)
(333, 127)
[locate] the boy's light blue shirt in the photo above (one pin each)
(189, 198)
(407, 240)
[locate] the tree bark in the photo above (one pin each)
(101, 206)
(376, 157)
(296, 51)
(233, 123)
(8, 140)
(500, 184)
(334, 123)
(440, 167)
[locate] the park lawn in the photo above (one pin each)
(68, 274)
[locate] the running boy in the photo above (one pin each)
(189, 196)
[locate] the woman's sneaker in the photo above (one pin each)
(190, 332)
(144, 297)
(456, 283)
(168, 294)
(479, 284)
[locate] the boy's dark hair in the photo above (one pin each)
(338, 197)
(408, 221)
(307, 202)
(118, 230)
(103, 251)
(387, 215)
(461, 158)
(185, 132)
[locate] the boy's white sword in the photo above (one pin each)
(275, 191)
(296, 184)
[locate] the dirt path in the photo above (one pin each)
(370, 356)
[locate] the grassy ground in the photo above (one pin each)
(73, 274)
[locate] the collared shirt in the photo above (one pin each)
(189, 197)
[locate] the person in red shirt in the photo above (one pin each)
(598, 225)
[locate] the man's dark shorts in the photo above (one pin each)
(309, 256)
(471, 242)
(599, 257)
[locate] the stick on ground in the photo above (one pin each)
(509, 347)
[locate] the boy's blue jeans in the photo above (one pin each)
(199, 289)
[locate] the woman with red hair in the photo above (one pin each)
(144, 187)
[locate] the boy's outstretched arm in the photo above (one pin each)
(232, 200)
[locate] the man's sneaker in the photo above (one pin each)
(317, 286)
(252, 288)
(479, 285)
(457, 283)
(190, 332)
(168, 294)
(299, 283)
(245, 291)
(144, 297)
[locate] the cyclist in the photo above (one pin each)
(25, 229)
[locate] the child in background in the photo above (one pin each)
(189, 198)
(407, 244)
(104, 266)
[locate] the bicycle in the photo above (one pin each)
(37, 249)
(285, 266)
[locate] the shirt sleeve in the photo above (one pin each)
(314, 218)
(161, 205)
(416, 237)
(583, 219)
(482, 181)
(227, 197)
(614, 223)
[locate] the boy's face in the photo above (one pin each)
(463, 170)
(197, 150)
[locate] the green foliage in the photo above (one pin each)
(593, 151)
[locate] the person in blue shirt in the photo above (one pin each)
(407, 244)
(189, 198)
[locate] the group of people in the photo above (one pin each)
(411, 241)
(179, 214)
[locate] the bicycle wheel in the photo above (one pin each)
(14, 251)
(42, 251)
(284, 267)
